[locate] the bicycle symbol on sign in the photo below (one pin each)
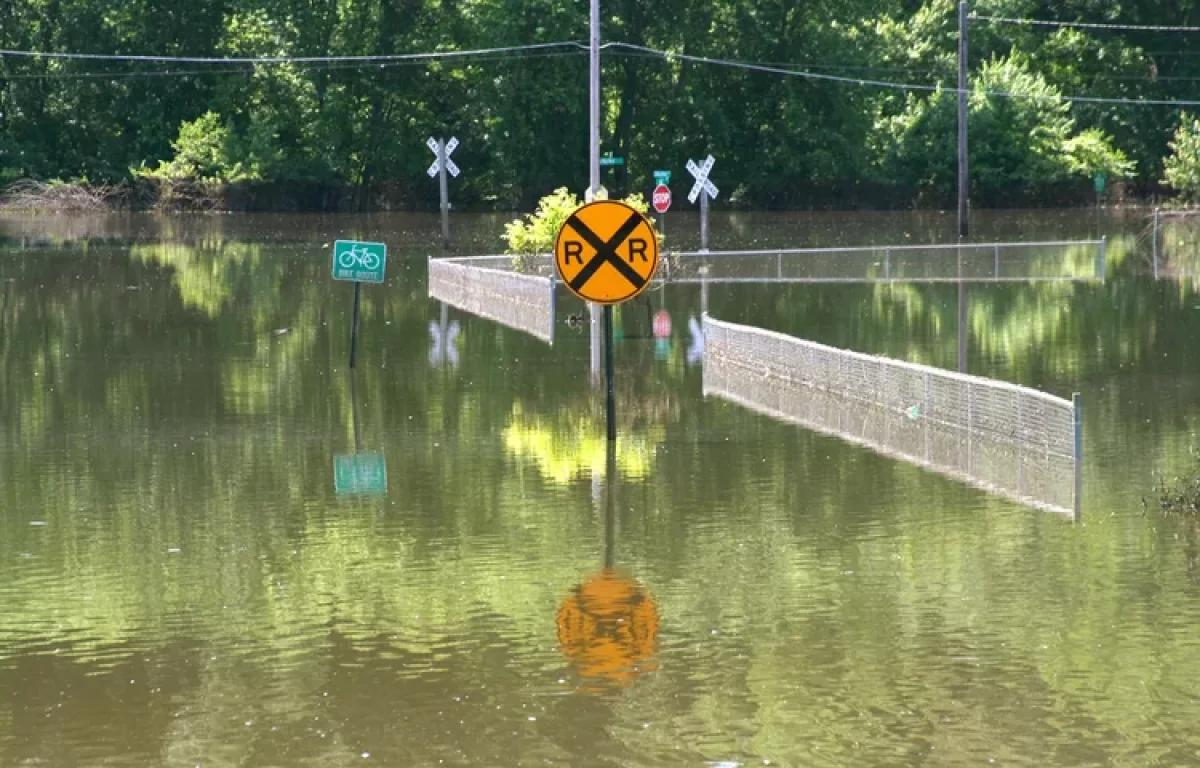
(358, 256)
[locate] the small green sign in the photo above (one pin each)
(1099, 181)
(610, 160)
(360, 473)
(662, 177)
(358, 261)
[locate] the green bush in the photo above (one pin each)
(1182, 166)
(535, 235)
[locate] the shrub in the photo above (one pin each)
(1182, 167)
(535, 235)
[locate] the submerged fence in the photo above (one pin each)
(973, 262)
(1014, 441)
(477, 285)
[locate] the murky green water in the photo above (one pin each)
(182, 584)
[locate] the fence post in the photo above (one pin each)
(996, 250)
(779, 265)
(552, 306)
(1102, 267)
(887, 263)
(1077, 412)
(1020, 440)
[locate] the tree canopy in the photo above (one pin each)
(866, 115)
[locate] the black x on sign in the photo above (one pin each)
(606, 252)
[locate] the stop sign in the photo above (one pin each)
(662, 324)
(662, 198)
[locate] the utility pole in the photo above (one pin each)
(963, 179)
(594, 123)
(594, 167)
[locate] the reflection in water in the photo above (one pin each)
(608, 625)
(181, 584)
(443, 338)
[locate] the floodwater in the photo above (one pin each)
(219, 547)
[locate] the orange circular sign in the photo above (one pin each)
(606, 252)
(608, 627)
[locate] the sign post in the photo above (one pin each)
(442, 163)
(1099, 180)
(704, 189)
(359, 263)
(606, 253)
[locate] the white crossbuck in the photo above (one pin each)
(702, 183)
(451, 168)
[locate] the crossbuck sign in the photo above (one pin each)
(451, 168)
(702, 183)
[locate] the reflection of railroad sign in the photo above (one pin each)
(606, 252)
(662, 324)
(357, 261)
(360, 473)
(608, 628)
(662, 198)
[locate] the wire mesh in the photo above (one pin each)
(1011, 440)
(521, 301)
(974, 262)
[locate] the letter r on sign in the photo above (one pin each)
(637, 247)
(573, 249)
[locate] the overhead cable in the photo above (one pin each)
(287, 59)
(895, 85)
(1083, 24)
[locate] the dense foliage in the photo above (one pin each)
(340, 135)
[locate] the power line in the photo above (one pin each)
(1084, 25)
(895, 85)
(317, 67)
(288, 59)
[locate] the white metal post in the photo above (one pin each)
(445, 192)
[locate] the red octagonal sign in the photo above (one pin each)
(662, 198)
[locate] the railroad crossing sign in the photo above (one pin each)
(662, 198)
(702, 183)
(606, 252)
(451, 168)
(358, 261)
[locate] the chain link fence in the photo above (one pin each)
(1011, 440)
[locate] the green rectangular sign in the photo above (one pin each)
(358, 261)
(1099, 180)
(662, 177)
(610, 160)
(364, 473)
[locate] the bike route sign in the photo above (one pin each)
(359, 262)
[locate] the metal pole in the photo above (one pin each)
(444, 189)
(1077, 410)
(1102, 266)
(594, 122)
(962, 326)
(354, 324)
(610, 506)
(1154, 247)
(594, 157)
(703, 220)
(962, 120)
(610, 397)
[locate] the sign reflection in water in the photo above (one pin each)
(608, 624)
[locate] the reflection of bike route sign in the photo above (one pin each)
(359, 473)
(359, 262)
